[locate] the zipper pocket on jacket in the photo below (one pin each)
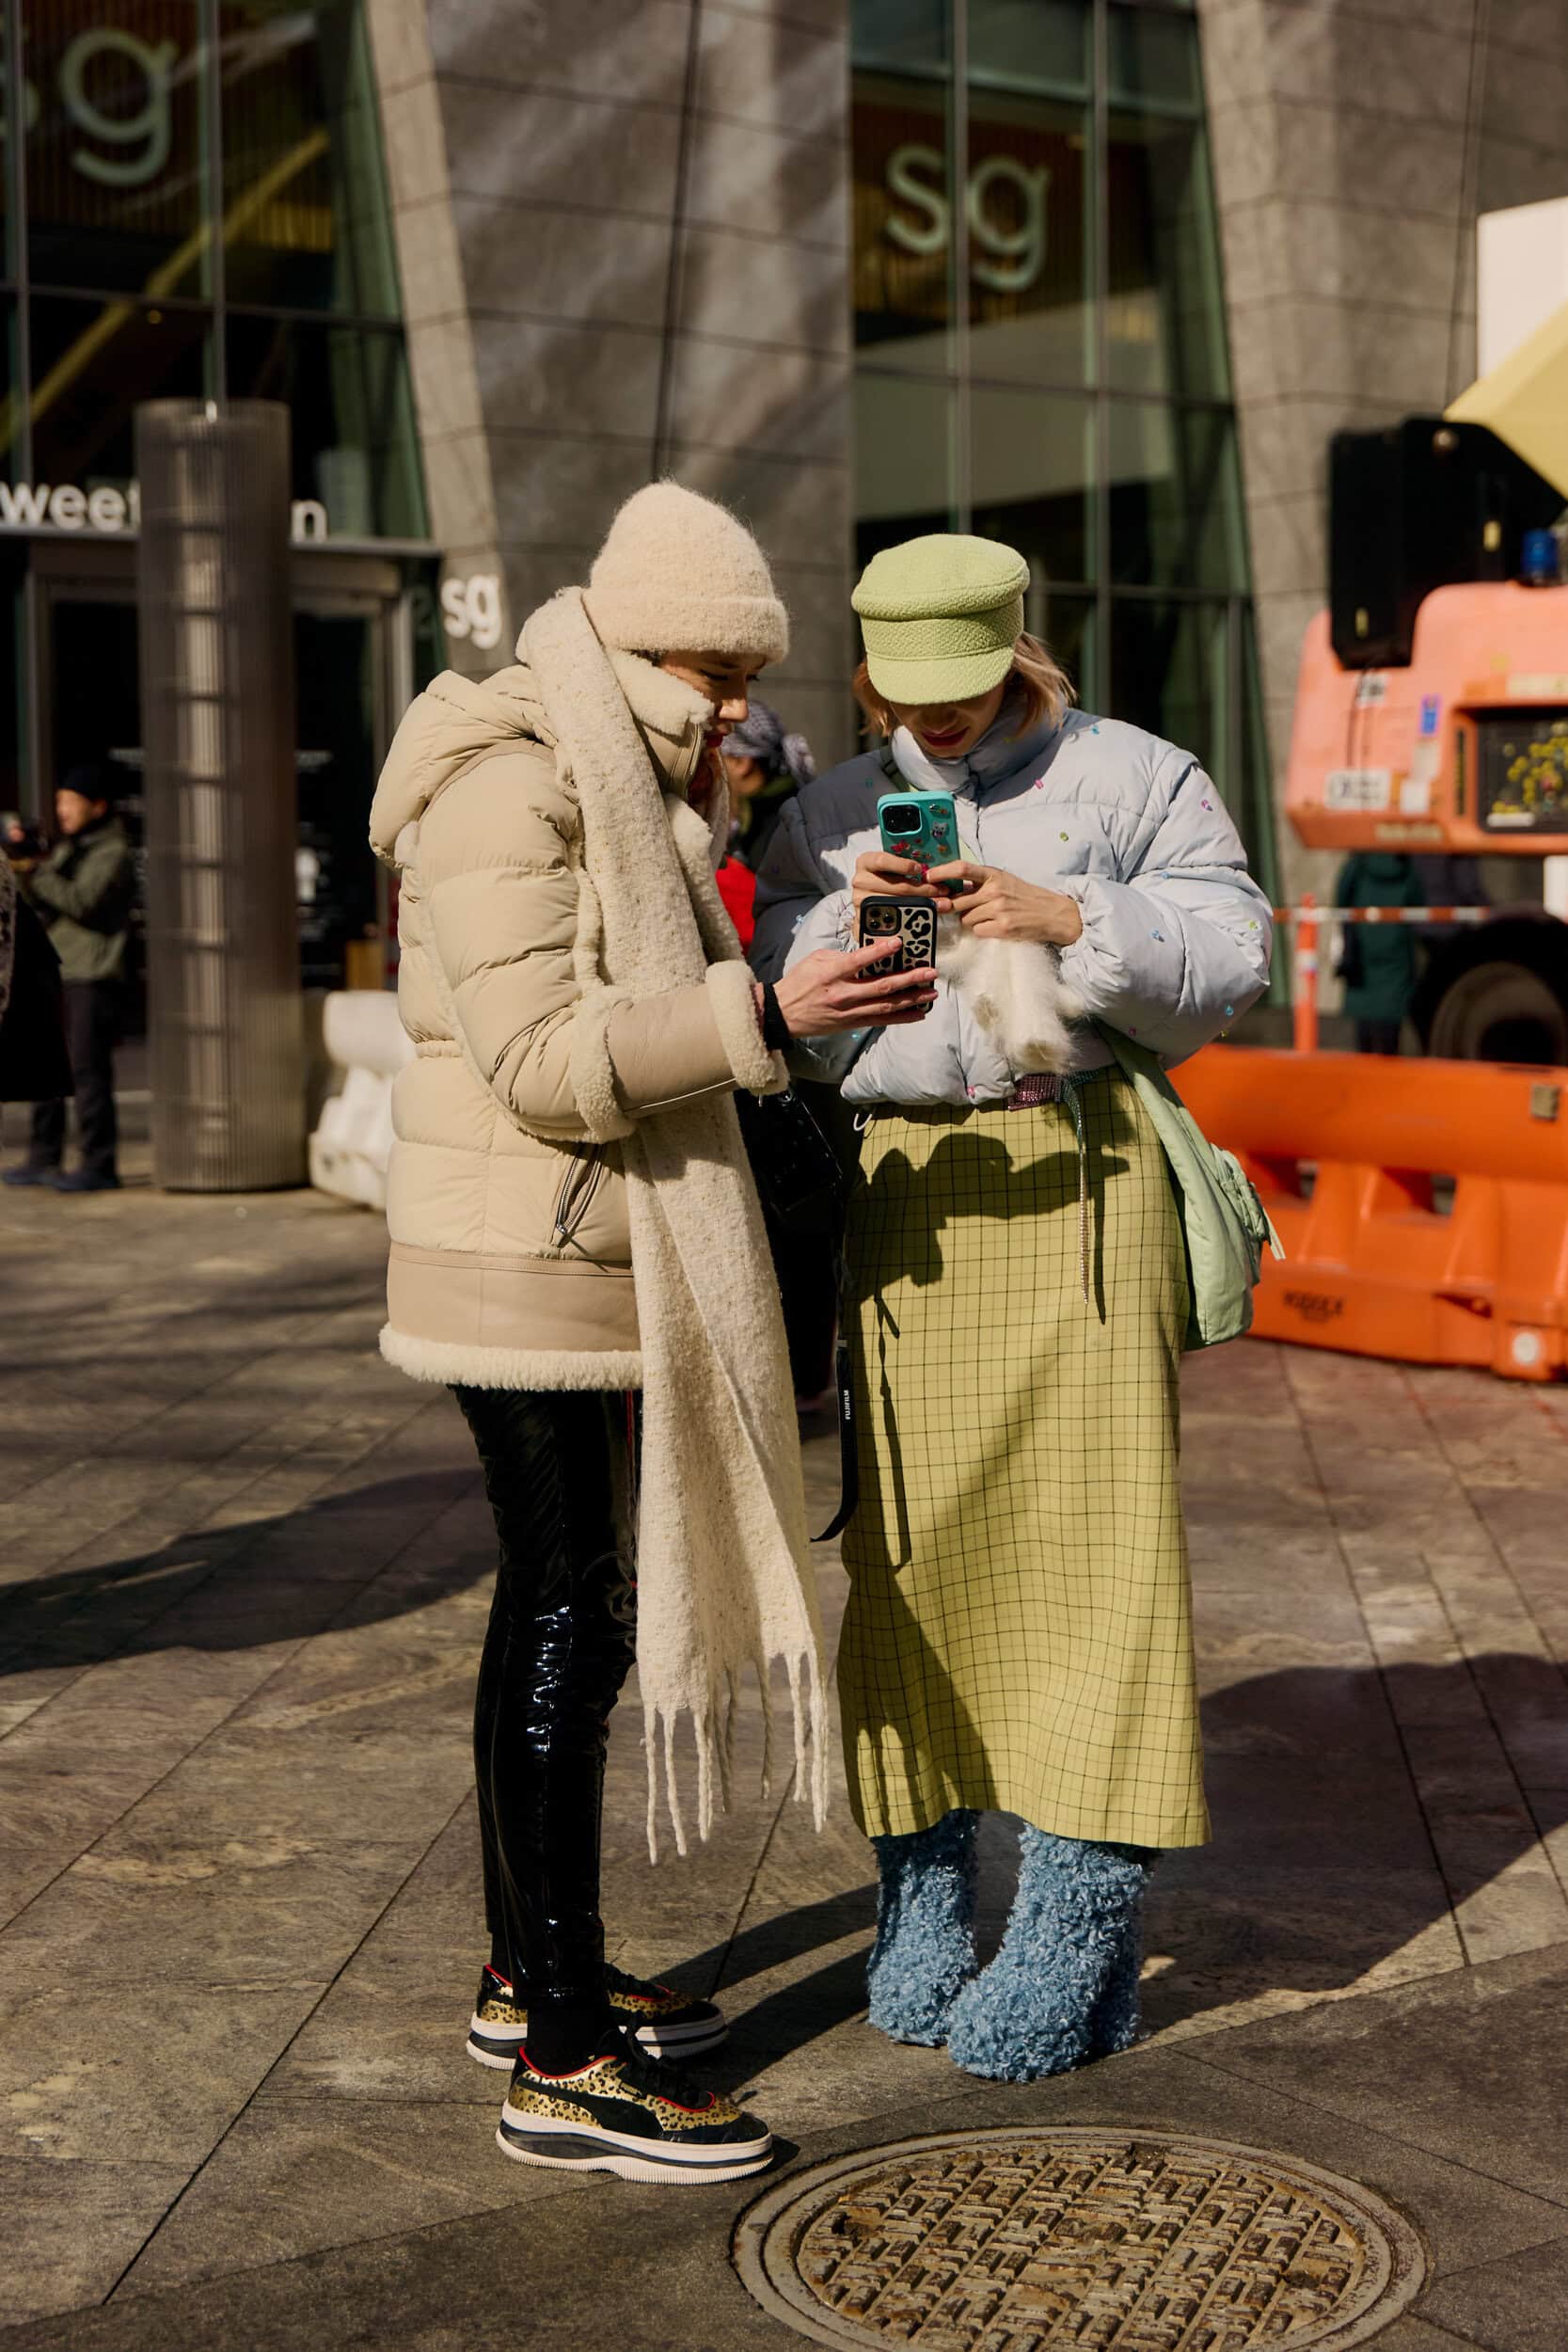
(583, 1177)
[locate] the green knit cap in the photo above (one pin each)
(940, 616)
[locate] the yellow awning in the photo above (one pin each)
(1525, 400)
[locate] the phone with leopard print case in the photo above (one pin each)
(908, 926)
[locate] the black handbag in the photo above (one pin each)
(795, 1168)
(35, 1062)
(804, 1191)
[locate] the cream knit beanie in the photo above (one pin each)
(680, 574)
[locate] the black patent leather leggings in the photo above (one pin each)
(559, 1469)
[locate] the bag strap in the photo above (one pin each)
(844, 1381)
(843, 1359)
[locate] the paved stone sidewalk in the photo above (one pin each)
(244, 1574)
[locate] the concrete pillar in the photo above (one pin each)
(425, 185)
(623, 229)
(217, 687)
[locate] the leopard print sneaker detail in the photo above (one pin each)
(666, 2023)
(623, 2113)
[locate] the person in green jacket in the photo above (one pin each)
(1377, 960)
(84, 890)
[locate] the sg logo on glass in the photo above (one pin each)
(111, 61)
(471, 609)
(1005, 261)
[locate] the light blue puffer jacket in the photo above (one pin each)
(1176, 934)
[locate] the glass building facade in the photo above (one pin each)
(1040, 345)
(194, 205)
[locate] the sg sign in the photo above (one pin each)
(471, 610)
(128, 146)
(1005, 259)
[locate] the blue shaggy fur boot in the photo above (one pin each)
(1064, 1987)
(924, 1954)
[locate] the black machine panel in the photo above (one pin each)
(1417, 507)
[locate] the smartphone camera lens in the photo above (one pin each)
(903, 820)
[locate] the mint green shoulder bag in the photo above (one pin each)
(1224, 1224)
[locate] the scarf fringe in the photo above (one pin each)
(650, 1749)
(811, 1736)
(713, 1729)
(792, 1667)
(726, 1743)
(770, 1734)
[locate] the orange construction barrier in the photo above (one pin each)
(1345, 1149)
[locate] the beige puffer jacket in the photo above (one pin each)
(511, 1258)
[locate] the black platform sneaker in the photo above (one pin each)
(667, 2023)
(625, 2113)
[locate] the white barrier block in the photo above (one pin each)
(352, 1147)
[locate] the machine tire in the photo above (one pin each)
(1499, 994)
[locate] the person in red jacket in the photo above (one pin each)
(737, 888)
(764, 765)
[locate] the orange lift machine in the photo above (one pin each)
(1431, 714)
(1423, 1204)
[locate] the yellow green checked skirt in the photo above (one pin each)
(1019, 1633)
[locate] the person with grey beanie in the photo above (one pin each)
(766, 766)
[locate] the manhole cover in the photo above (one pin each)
(1010, 2241)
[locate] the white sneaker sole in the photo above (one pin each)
(682, 2041)
(487, 2049)
(529, 2141)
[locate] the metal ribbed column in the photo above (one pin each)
(227, 1039)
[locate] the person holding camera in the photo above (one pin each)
(1018, 1637)
(83, 890)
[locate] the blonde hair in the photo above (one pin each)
(1047, 689)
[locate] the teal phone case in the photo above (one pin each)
(937, 841)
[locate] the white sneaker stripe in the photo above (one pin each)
(584, 2127)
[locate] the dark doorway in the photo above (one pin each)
(337, 664)
(352, 671)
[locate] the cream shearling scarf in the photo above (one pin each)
(723, 1571)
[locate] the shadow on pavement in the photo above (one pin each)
(261, 1581)
(797, 2015)
(1325, 1862)
(1355, 1810)
(788, 1936)
(1323, 1865)
(72, 1334)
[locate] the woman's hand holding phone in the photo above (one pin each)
(995, 905)
(880, 874)
(989, 903)
(827, 992)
